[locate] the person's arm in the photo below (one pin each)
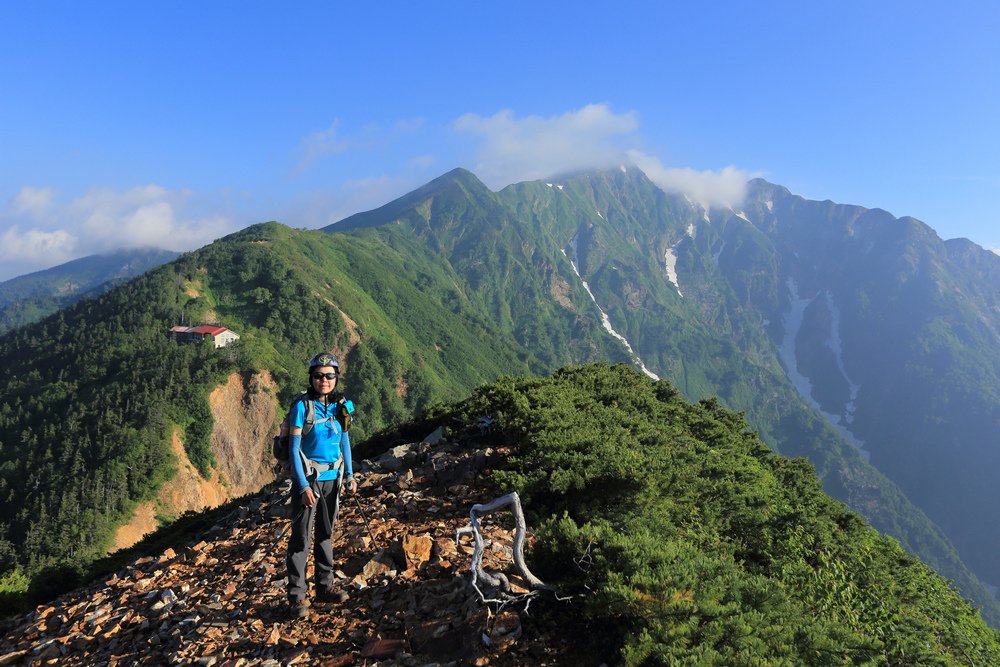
(296, 422)
(295, 455)
(345, 448)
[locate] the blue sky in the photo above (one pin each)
(174, 123)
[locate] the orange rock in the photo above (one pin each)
(417, 549)
(381, 563)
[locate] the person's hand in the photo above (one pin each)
(352, 484)
(308, 497)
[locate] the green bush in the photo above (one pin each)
(689, 542)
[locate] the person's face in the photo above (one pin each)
(323, 378)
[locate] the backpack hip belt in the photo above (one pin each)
(314, 468)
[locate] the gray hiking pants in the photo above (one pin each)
(323, 516)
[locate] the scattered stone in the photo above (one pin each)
(435, 437)
(417, 550)
(398, 458)
(220, 600)
(379, 564)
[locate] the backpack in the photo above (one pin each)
(280, 448)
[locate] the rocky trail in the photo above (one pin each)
(405, 596)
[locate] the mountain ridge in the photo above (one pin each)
(603, 459)
(546, 273)
(28, 298)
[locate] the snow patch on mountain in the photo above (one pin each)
(770, 205)
(670, 262)
(691, 231)
(741, 215)
(786, 353)
(834, 343)
(697, 205)
(718, 253)
(605, 321)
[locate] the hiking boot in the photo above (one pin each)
(329, 595)
(298, 609)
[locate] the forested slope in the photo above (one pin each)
(423, 299)
(90, 395)
(31, 297)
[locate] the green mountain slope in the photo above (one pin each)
(89, 395)
(543, 260)
(510, 274)
(894, 334)
(29, 298)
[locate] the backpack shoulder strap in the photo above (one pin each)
(345, 408)
(310, 417)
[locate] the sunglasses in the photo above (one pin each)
(320, 376)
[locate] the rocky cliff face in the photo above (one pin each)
(244, 411)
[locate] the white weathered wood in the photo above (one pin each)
(495, 579)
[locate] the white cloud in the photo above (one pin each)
(517, 149)
(35, 246)
(333, 140)
(407, 126)
(422, 161)
(103, 220)
(318, 144)
(320, 208)
(724, 189)
(32, 201)
(144, 216)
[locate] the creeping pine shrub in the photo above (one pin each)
(687, 541)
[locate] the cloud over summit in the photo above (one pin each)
(513, 149)
(712, 189)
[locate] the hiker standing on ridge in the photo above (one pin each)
(321, 461)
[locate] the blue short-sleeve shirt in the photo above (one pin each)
(326, 440)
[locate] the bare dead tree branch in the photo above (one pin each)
(496, 579)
